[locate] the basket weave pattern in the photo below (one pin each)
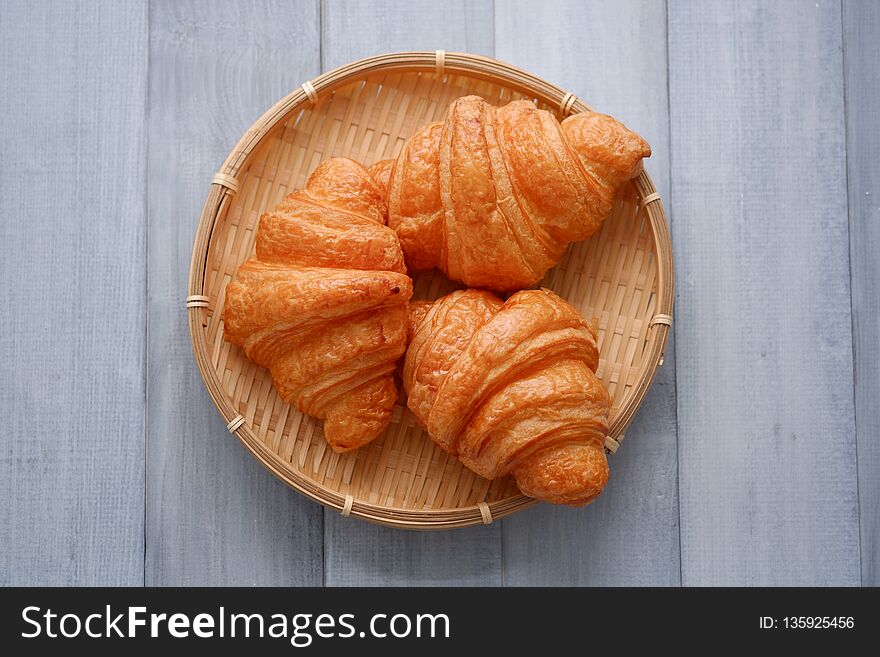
(366, 113)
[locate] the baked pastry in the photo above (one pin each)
(510, 388)
(493, 195)
(381, 172)
(417, 312)
(323, 305)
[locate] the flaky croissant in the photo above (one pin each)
(323, 305)
(493, 195)
(510, 388)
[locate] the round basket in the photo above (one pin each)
(622, 276)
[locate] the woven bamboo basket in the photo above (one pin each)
(622, 276)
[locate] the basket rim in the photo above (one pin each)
(217, 201)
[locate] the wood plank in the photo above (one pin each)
(356, 553)
(861, 47)
(73, 294)
(214, 515)
(764, 370)
(359, 554)
(353, 29)
(630, 535)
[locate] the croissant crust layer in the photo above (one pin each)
(323, 305)
(493, 195)
(510, 388)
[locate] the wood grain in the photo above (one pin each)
(357, 553)
(861, 46)
(764, 370)
(360, 554)
(777, 318)
(72, 325)
(630, 535)
(214, 515)
(353, 29)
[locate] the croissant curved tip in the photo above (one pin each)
(570, 476)
(604, 141)
(347, 432)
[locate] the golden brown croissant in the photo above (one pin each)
(493, 195)
(510, 388)
(381, 172)
(323, 304)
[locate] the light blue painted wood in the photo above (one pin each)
(214, 515)
(764, 363)
(360, 554)
(73, 295)
(356, 553)
(767, 418)
(353, 29)
(861, 44)
(630, 535)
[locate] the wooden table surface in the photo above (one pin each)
(755, 458)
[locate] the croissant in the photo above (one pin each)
(510, 388)
(323, 305)
(493, 195)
